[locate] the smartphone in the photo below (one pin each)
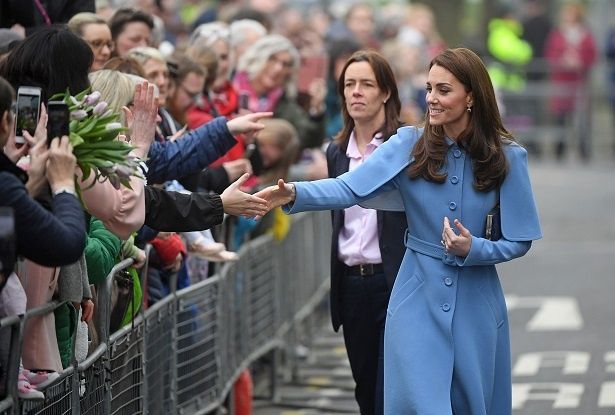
(28, 111)
(253, 154)
(244, 100)
(58, 120)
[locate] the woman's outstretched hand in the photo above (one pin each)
(247, 123)
(238, 203)
(458, 245)
(278, 195)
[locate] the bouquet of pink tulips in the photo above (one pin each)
(94, 129)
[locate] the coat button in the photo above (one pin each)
(457, 153)
(452, 206)
(446, 307)
(448, 281)
(454, 179)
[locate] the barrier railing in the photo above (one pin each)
(542, 112)
(183, 354)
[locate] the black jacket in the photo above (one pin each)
(28, 15)
(48, 238)
(181, 212)
(391, 229)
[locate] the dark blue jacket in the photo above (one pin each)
(48, 238)
(391, 229)
(191, 153)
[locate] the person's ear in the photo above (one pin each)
(5, 123)
(470, 100)
(384, 101)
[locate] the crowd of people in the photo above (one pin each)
(220, 103)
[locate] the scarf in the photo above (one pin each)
(265, 102)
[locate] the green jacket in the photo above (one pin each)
(102, 251)
(510, 53)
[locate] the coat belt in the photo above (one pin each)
(427, 248)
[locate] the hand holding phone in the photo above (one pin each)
(28, 111)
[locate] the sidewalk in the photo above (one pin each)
(323, 384)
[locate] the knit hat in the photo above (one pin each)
(7, 37)
(168, 248)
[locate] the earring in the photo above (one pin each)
(469, 109)
(384, 102)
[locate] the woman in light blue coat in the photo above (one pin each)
(447, 348)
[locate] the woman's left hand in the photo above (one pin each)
(458, 245)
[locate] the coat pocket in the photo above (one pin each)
(407, 290)
(490, 298)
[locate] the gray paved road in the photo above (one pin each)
(560, 296)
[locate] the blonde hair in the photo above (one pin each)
(78, 21)
(116, 88)
(143, 54)
(283, 135)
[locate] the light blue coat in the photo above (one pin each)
(447, 348)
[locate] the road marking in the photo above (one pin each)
(607, 395)
(528, 364)
(609, 358)
(563, 395)
(554, 313)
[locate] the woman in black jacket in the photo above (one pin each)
(50, 238)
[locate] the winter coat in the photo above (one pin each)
(446, 346)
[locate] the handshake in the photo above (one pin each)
(239, 203)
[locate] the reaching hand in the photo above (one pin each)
(247, 123)
(142, 119)
(278, 195)
(14, 151)
(238, 203)
(458, 245)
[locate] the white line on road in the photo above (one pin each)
(554, 313)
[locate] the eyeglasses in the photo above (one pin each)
(194, 96)
(99, 44)
(287, 64)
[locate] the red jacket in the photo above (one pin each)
(226, 103)
(567, 78)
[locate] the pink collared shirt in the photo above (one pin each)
(358, 238)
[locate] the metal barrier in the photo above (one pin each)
(183, 354)
(531, 113)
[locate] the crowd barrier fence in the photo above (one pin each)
(183, 354)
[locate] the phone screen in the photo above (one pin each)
(27, 113)
(58, 120)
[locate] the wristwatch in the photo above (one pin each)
(64, 190)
